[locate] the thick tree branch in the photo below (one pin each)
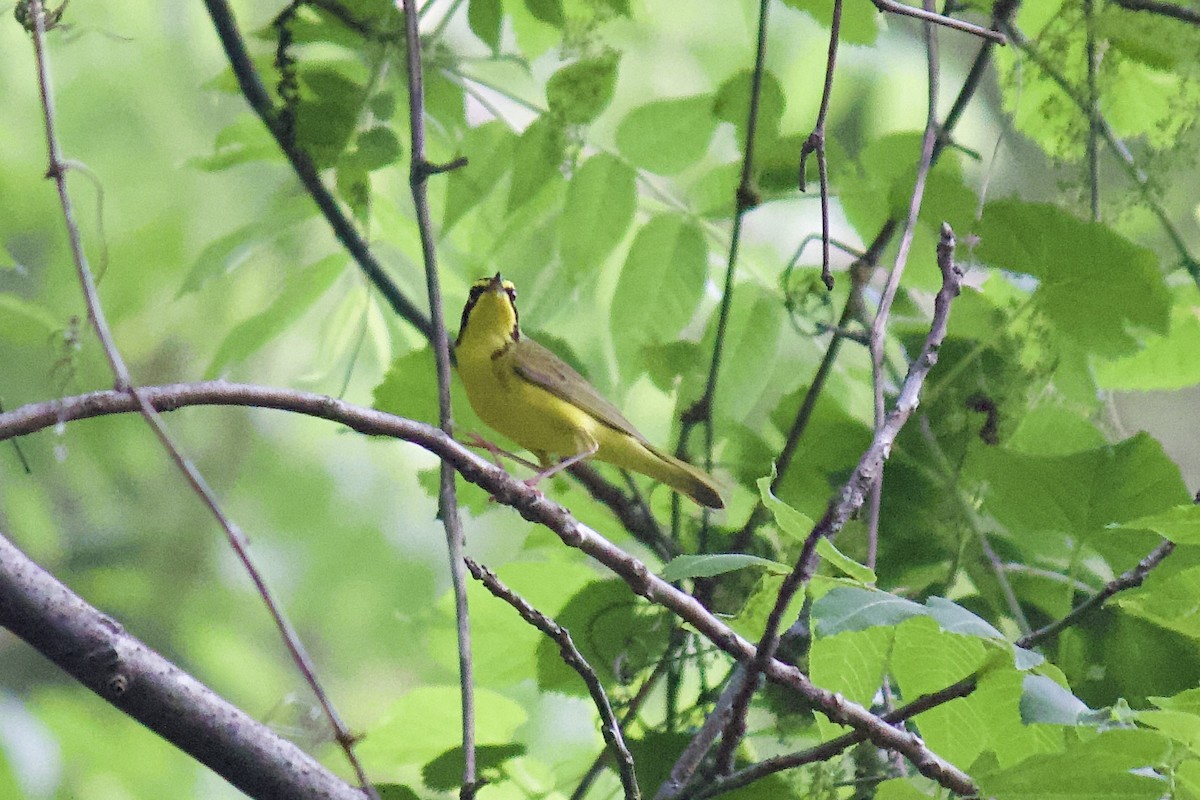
(529, 503)
(101, 655)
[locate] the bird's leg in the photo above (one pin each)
(588, 452)
(477, 441)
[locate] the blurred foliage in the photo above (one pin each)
(604, 140)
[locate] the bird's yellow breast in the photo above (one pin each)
(524, 412)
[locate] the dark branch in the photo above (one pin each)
(1166, 9)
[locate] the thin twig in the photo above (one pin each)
(1166, 9)
(631, 711)
(124, 384)
(535, 507)
(259, 98)
(879, 325)
(1093, 109)
(927, 15)
(868, 471)
(745, 198)
(815, 143)
(609, 727)
(419, 172)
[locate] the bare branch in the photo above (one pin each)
(123, 671)
(237, 541)
(610, 728)
(419, 172)
(537, 508)
(926, 15)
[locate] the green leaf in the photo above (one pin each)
(790, 521)
(855, 609)
(327, 114)
(732, 104)
(548, 11)
(1180, 524)
(1093, 283)
(1043, 700)
(851, 663)
(578, 92)
(668, 136)
(445, 773)
(859, 24)
(299, 292)
(601, 199)
(230, 251)
(484, 17)
(750, 356)
(489, 149)
(659, 289)
(1101, 768)
(617, 633)
(241, 141)
(1077, 494)
(539, 152)
(424, 709)
(23, 322)
(706, 566)
(840, 561)
(375, 148)
(1164, 363)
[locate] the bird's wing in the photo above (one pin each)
(541, 367)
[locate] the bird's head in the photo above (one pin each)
(490, 314)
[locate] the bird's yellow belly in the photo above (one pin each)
(529, 415)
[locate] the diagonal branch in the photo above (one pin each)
(925, 15)
(96, 651)
(610, 728)
(124, 384)
(531, 505)
(259, 98)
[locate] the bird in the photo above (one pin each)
(527, 393)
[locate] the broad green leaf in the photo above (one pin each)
(489, 152)
(840, 561)
(445, 773)
(374, 148)
(859, 24)
(484, 17)
(409, 389)
(1169, 602)
(243, 140)
(617, 632)
(578, 92)
(1100, 768)
(660, 286)
(790, 521)
(24, 322)
(327, 114)
(708, 565)
(854, 609)
(851, 663)
(732, 104)
(299, 292)
(537, 157)
(601, 199)
(1077, 494)
(1043, 700)
(1180, 524)
(230, 251)
(548, 11)
(668, 136)
(1180, 726)
(1163, 363)
(1051, 430)
(899, 789)
(434, 712)
(1094, 284)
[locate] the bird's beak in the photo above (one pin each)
(496, 284)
